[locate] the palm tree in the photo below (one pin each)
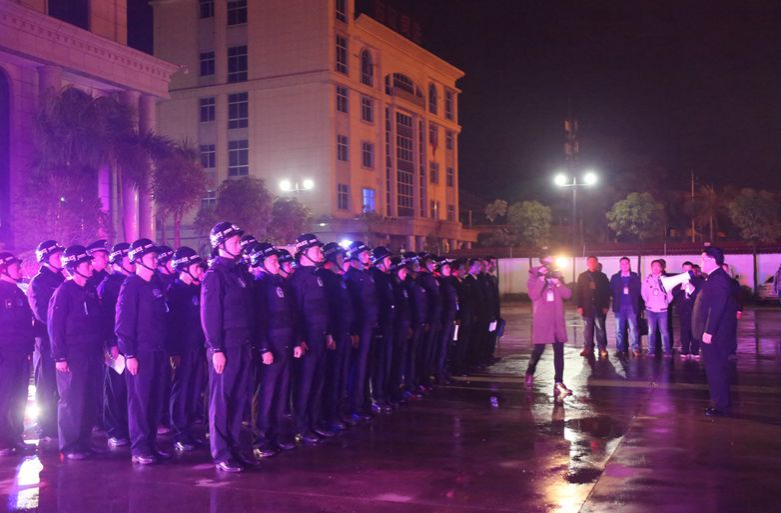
(708, 206)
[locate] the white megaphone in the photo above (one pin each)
(670, 282)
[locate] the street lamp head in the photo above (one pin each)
(308, 184)
(286, 185)
(561, 180)
(590, 178)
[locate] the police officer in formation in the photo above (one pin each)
(383, 349)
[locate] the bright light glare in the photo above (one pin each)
(561, 180)
(285, 185)
(562, 261)
(590, 178)
(345, 243)
(32, 411)
(308, 184)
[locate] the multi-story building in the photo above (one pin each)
(46, 45)
(311, 92)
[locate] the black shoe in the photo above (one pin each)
(337, 426)
(184, 446)
(248, 463)
(229, 466)
(76, 456)
(286, 445)
(308, 438)
(713, 412)
(350, 421)
(144, 459)
(588, 352)
(264, 450)
(118, 442)
(324, 432)
(162, 455)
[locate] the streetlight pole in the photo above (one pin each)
(562, 180)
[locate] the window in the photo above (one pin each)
(367, 155)
(450, 178)
(237, 64)
(449, 105)
(367, 109)
(405, 165)
(434, 173)
(433, 99)
(237, 12)
(341, 54)
(422, 212)
(343, 196)
(238, 110)
(208, 157)
(342, 148)
(435, 210)
(207, 64)
(206, 8)
(433, 135)
(342, 99)
(451, 213)
(207, 109)
(403, 82)
(449, 138)
(209, 200)
(238, 158)
(367, 68)
(369, 201)
(341, 10)
(388, 163)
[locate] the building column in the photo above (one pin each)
(49, 81)
(420, 243)
(147, 111)
(411, 243)
(129, 190)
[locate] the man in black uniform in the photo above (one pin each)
(227, 318)
(185, 345)
(402, 331)
(420, 325)
(341, 313)
(593, 300)
(473, 325)
(16, 344)
(312, 314)
(276, 336)
(684, 297)
(141, 329)
(382, 353)
(491, 284)
(287, 264)
(75, 323)
(428, 348)
(40, 291)
(449, 294)
(115, 385)
(166, 274)
(713, 321)
(99, 253)
(165, 267)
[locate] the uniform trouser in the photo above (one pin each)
(382, 358)
(558, 360)
(476, 345)
(273, 391)
(359, 366)
(115, 404)
(689, 344)
(165, 394)
(428, 353)
(716, 359)
(14, 378)
(45, 387)
(145, 400)
(445, 340)
(401, 341)
(199, 393)
(309, 380)
(626, 318)
(337, 370)
(183, 403)
(462, 346)
(77, 400)
(594, 326)
(413, 349)
(229, 394)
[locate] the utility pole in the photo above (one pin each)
(571, 152)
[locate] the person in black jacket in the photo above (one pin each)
(40, 291)
(98, 250)
(312, 314)
(185, 345)
(340, 312)
(165, 268)
(74, 323)
(684, 297)
(625, 290)
(428, 347)
(713, 321)
(227, 320)
(141, 329)
(420, 325)
(114, 385)
(17, 338)
(474, 321)
(382, 348)
(736, 294)
(276, 336)
(593, 300)
(402, 331)
(449, 293)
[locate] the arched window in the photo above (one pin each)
(367, 68)
(433, 99)
(404, 83)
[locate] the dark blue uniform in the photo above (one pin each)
(467, 318)
(428, 348)
(475, 322)
(311, 310)
(227, 319)
(115, 385)
(40, 291)
(419, 311)
(684, 305)
(186, 341)
(276, 333)
(341, 316)
(402, 338)
(449, 294)
(97, 278)
(16, 344)
(363, 292)
(75, 323)
(384, 341)
(141, 329)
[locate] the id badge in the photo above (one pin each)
(626, 291)
(550, 296)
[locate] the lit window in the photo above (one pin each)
(207, 64)
(207, 110)
(341, 54)
(342, 148)
(405, 165)
(367, 109)
(342, 99)
(237, 12)
(449, 139)
(208, 157)
(369, 201)
(209, 200)
(237, 64)
(449, 105)
(451, 213)
(434, 173)
(435, 210)
(206, 8)
(367, 155)
(367, 68)
(341, 10)
(238, 158)
(238, 110)
(343, 196)
(451, 177)
(433, 99)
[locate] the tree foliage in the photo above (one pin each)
(638, 216)
(530, 221)
(245, 202)
(289, 218)
(496, 209)
(756, 215)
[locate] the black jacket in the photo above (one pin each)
(184, 321)
(471, 300)
(403, 317)
(75, 320)
(39, 293)
(489, 295)
(97, 278)
(715, 309)
(108, 293)
(311, 303)
(593, 292)
(434, 295)
(617, 290)
(363, 292)
(685, 303)
(340, 304)
(449, 293)
(141, 320)
(276, 324)
(386, 297)
(418, 298)
(227, 315)
(16, 318)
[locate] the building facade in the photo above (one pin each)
(47, 45)
(312, 93)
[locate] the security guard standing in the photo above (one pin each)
(402, 330)
(74, 323)
(449, 294)
(420, 325)
(16, 344)
(311, 310)
(141, 329)
(115, 385)
(363, 292)
(384, 341)
(185, 345)
(287, 264)
(428, 347)
(276, 336)
(40, 291)
(227, 319)
(99, 253)
(165, 267)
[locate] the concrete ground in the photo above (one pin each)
(632, 438)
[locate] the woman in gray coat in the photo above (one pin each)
(548, 292)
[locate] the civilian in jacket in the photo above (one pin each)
(593, 300)
(625, 289)
(657, 302)
(684, 297)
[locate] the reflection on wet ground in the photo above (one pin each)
(631, 438)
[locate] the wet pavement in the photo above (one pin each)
(632, 438)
